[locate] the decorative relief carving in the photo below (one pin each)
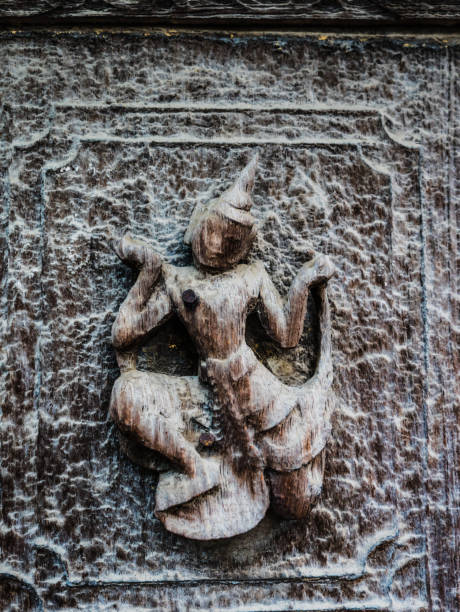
(234, 439)
(74, 164)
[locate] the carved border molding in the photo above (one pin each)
(294, 123)
(389, 542)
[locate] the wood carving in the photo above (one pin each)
(234, 439)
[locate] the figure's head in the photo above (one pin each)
(222, 231)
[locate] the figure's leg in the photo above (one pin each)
(149, 407)
(131, 410)
(292, 493)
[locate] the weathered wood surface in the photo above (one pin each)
(293, 12)
(358, 137)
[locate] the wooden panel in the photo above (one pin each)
(357, 148)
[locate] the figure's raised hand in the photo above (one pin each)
(134, 252)
(318, 270)
(283, 319)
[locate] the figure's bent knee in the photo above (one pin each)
(125, 402)
(140, 405)
(118, 400)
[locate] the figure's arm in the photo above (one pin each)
(147, 304)
(283, 320)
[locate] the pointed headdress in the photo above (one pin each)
(234, 204)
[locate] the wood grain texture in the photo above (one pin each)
(293, 12)
(357, 139)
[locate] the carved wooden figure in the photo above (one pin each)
(234, 439)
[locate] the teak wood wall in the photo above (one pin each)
(123, 114)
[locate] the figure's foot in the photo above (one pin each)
(234, 507)
(175, 488)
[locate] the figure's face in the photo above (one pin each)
(221, 243)
(222, 231)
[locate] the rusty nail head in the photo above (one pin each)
(190, 298)
(207, 439)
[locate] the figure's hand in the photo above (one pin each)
(123, 246)
(135, 252)
(319, 269)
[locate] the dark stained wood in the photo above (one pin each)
(358, 142)
(296, 13)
